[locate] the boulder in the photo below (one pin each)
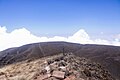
(58, 74)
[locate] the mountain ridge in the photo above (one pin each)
(107, 56)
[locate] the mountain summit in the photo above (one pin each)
(108, 57)
(58, 67)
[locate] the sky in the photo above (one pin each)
(81, 21)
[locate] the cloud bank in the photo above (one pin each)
(22, 36)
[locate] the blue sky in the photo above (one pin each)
(62, 17)
(77, 21)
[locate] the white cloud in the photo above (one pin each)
(80, 37)
(22, 36)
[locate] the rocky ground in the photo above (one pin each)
(58, 67)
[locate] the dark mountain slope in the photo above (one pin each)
(108, 56)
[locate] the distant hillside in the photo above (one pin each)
(107, 56)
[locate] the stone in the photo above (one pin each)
(93, 73)
(44, 71)
(54, 65)
(3, 77)
(58, 74)
(67, 73)
(45, 62)
(2, 73)
(53, 78)
(59, 58)
(48, 68)
(42, 77)
(62, 68)
(81, 79)
(87, 73)
(62, 63)
(50, 62)
(71, 77)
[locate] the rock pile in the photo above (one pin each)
(71, 67)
